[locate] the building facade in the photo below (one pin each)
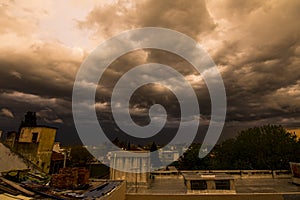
(167, 156)
(35, 144)
(134, 168)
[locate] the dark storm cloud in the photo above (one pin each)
(46, 69)
(261, 60)
(35, 75)
(190, 18)
(39, 79)
(255, 44)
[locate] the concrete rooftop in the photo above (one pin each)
(175, 185)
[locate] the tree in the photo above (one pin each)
(79, 156)
(267, 147)
(191, 161)
(223, 155)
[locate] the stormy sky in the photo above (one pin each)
(255, 45)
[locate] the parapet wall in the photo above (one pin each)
(212, 197)
(237, 174)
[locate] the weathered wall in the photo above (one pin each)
(38, 151)
(132, 179)
(138, 164)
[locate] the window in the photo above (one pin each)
(34, 137)
(198, 185)
(222, 184)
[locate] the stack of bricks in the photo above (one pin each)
(69, 178)
(63, 181)
(83, 176)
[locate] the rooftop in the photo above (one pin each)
(9, 160)
(243, 186)
(174, 184)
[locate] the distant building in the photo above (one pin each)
(35, 144)
(58, 158)
(57, 148)
(167, 157)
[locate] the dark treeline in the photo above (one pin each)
(268, 147)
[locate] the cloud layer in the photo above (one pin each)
(255, 44)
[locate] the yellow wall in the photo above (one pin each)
(38, 152)
(26, 134)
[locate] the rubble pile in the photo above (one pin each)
(69, 184)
